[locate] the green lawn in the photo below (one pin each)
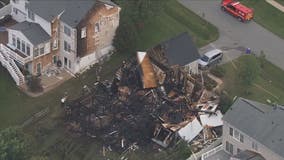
(280, 2)
(267, 16)
(271, 81)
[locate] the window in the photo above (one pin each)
(23, 47)
(67, 31)
(28, 50)
(242, 138)
(31, 15)
(15, 10)
(54, 44)
(236, 134)
(229, 147)
(35, 52)
(13, 40)
(65, 61)
(41, 50)
(97, 27)
(67, 46)
(254, 146)
(70, 64)
(54, 59)
(83, 32)
(18, 44)
(231, 131)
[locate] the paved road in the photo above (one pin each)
(236, 36)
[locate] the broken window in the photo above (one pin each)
(83, 32)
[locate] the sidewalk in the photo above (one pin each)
(276, 5)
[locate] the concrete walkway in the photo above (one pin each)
(276, 5)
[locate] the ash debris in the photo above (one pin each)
(146, 103)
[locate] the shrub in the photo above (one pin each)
(218, 71)
(34, 84)
(209, 83)
(225, 102)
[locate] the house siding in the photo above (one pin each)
(247, 144)
(71, 56)
(108, 20)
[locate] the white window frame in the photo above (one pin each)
(84, 32)
(237, 135)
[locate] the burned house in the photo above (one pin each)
(145, 103)
(177, 51)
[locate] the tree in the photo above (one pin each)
(249, 70)
(13, 144)
(133, 16)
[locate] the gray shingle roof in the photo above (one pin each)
(262, 122)
(33, 32)
(180, 50)
(74, 10)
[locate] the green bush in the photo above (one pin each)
(225, 102)
(218, 71)
(209, 83)
(34, 84)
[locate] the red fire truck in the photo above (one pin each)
(238, 10)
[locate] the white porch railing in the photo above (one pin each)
(211, 152)
(5, 10)
(12, 68)
(15, 55)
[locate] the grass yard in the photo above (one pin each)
(268, 16)
(269, 85)
(280, 2)
(15, 107)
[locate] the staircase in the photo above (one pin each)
(12, 68)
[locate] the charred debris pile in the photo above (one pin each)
(146, 102)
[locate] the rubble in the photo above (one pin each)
(145, 102)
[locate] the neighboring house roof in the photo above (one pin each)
(73, 11)
(262, 122)
(33, 32)
(179, 50)
(248, 155)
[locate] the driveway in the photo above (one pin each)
(236, 36)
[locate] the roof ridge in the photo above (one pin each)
(255, 107)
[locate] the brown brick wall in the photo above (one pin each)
(88, 45)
